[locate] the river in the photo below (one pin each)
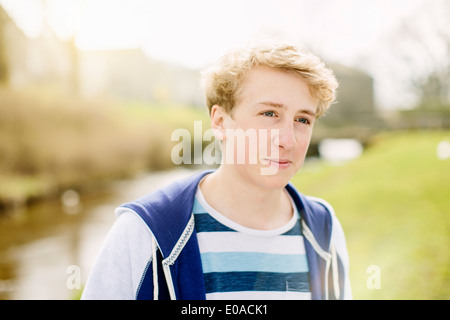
(47, 250)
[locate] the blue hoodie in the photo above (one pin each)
(174, 270)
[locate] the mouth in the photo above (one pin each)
(278, 163)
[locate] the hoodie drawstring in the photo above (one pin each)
(155, 269)
(330, 259)
(335, 272)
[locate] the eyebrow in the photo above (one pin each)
(282, 106)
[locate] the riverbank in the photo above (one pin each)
(51, 142)
(44, 247)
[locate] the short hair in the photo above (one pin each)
(221, 82)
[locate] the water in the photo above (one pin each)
(47, 250)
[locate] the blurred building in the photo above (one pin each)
(355, 98)
(354, 114)
(124, 74)
(45, 60)
(130, 74)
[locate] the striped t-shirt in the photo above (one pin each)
(240, 263)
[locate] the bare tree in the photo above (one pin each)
(421, 45)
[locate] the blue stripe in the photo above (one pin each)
(197, 208)
(206, 223)
(256, 281)
(253, 261)
(296, 230)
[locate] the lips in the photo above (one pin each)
(280, 163)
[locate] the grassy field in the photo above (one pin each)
(394, 205)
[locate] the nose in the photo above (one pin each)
(286, 137)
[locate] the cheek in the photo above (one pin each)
(303, 144)
(301, 152)
(267, 143)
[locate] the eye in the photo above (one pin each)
(269, 114)
(303, 120)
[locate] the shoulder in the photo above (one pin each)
(129, 238)
(323, 203)
(122, 260)
(337, 228)
(311, 205)
(167, 200)
(168, 211)
(129, 225)
(337, 232)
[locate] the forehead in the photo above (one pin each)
(276, 85)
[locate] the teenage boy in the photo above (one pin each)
(241, 231)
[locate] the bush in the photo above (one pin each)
(51, 141)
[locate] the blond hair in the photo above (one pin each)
(221, 82)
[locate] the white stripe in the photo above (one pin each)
(237, 227)
(240, 242)
(259, 295)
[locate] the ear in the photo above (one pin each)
(218, 115)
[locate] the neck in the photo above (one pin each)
(246, 203)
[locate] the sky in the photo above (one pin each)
(195, 33)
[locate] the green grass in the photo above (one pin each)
(394, 205)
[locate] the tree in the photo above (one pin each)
(421, 45)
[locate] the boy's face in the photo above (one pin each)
(277, 108)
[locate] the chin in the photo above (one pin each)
(275, 179)
(255, 175)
